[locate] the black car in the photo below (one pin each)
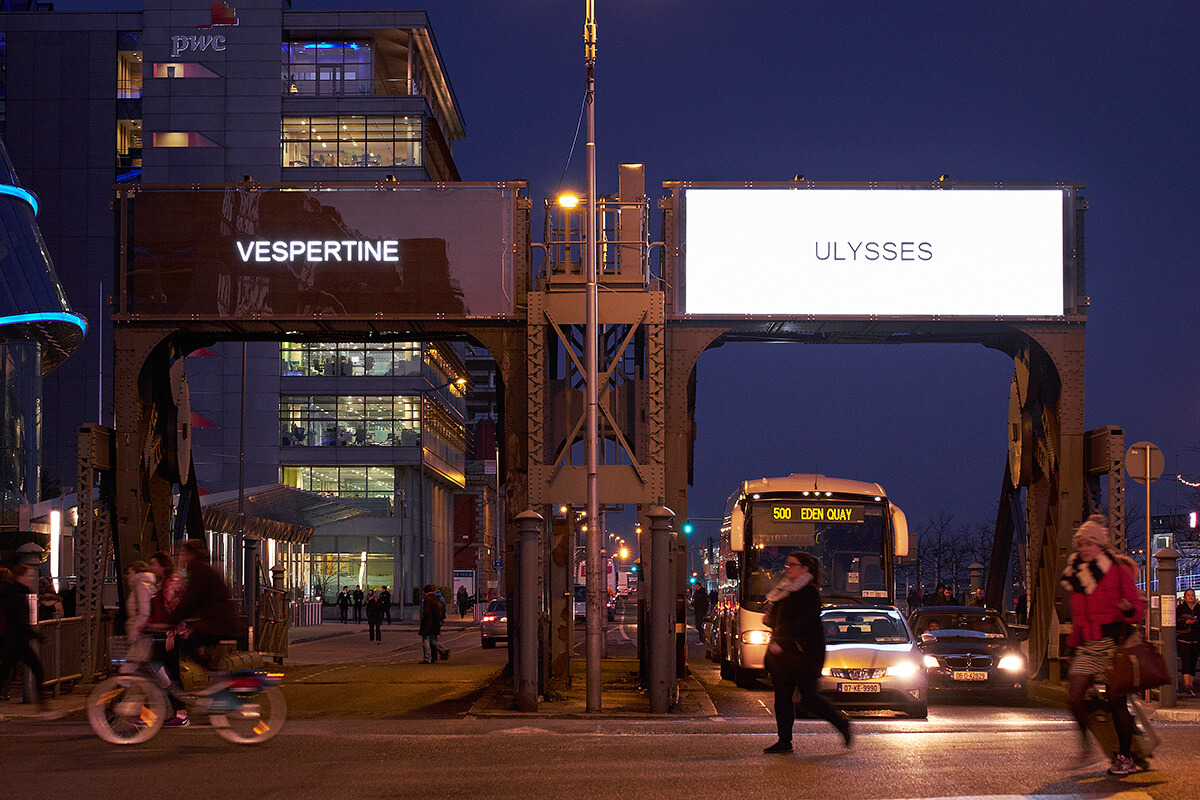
(972, 649)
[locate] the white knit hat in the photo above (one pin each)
(1093, 531)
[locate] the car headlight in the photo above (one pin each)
(756, 637)
(827, 672)
(1012, 663)
(904, 669)
(931, 662)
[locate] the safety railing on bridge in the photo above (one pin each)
(306, 612)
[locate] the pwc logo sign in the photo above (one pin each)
(222, 16)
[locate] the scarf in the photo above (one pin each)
(786, 587)
(1082, 577)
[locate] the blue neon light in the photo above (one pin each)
(331, 45)
(48, 316)
(17, 191)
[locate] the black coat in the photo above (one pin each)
(796, 627)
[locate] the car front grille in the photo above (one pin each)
(858, 674)
(974, 662)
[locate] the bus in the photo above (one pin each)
(850, 526)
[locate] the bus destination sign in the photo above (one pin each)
(816, 512)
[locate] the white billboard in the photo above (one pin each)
(864, 252)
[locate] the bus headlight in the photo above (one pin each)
(1012, 663)
(756, 637)
(931, 662)
(904, 669)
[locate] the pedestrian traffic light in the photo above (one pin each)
(687, 528)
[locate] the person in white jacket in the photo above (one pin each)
(140, 588)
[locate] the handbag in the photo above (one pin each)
(1137, 665)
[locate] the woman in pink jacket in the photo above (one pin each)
(1104, 603)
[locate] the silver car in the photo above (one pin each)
(493, 626)
(872, 661)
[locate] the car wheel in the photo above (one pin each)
(744, 678)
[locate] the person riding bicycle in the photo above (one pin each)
(207, 605)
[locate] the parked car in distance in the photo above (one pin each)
(493, 627)
(872, 661)
(971, 649)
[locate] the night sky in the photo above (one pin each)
(1099, 92)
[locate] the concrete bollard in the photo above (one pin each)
(529, 576)
(1166, 635)
(662, 611)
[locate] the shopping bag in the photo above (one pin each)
(1137, 666)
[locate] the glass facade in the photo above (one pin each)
(348, 420)
(350, 561)
(20, 425)
(312, 68)
(351, 141)
(350, 358)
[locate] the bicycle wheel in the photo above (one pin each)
(127, 709)
(256, 719)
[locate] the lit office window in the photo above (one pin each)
(327, 68)
(355, 359)
(129, 66)
(343, 481)
(349, 421)
(351, 141)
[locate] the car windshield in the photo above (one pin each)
(960, 624)
(863, 626)
(498, 605)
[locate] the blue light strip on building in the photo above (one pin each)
(17, 191)
(48, 316)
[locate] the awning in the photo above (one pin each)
(275, 512)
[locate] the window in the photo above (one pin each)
(349, 421)
(129, 66)
(327, 68)
(343, 481)
(351, 141)
(310, 359)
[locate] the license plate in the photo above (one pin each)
(969, 676)
(866, 688)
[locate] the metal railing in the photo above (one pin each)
(306, 612)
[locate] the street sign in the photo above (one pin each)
(1136, 462)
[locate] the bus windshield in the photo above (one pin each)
(847, 537)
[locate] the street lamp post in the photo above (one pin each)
(592, 444)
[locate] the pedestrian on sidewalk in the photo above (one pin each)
(374, 617)
(1104, 604)
(385, 601)
(17, 632)
(700, 607)
(1187, 636)
(343, 602)
(433, 612)
(464, 601)
(796, 652)
(358, 603)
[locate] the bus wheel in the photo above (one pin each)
(727, 668)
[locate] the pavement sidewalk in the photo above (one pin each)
(1186, 709)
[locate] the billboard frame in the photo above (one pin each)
(674, 271)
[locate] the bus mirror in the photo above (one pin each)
(731, 570)
(899, 532)
(737, 525)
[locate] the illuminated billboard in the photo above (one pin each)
(874, 252)
(282, 253)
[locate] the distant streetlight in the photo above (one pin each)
(568, 201)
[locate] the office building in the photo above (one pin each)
(195, 92)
